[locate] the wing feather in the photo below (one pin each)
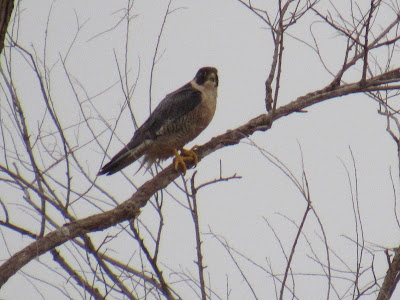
(174, 106)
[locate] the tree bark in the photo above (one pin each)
(391, 279)
(6, 9)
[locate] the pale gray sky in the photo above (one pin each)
(226, 35)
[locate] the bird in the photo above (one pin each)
(179, 118)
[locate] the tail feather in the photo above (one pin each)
(122, 159)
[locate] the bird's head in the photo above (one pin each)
(207, 76)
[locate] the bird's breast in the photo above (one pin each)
(204, 112)
(206, 109)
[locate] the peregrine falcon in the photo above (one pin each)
(179, 118)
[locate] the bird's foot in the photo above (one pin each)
(190, 155)
(186, 155)
(179, 160)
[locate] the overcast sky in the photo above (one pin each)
(226, 35)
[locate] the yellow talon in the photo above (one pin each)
(186, 155)
(189, 155)
(179, 160)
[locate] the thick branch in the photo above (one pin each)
(131, 208)
(391, 279)
(6, 8)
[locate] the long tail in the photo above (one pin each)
(122, 159)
